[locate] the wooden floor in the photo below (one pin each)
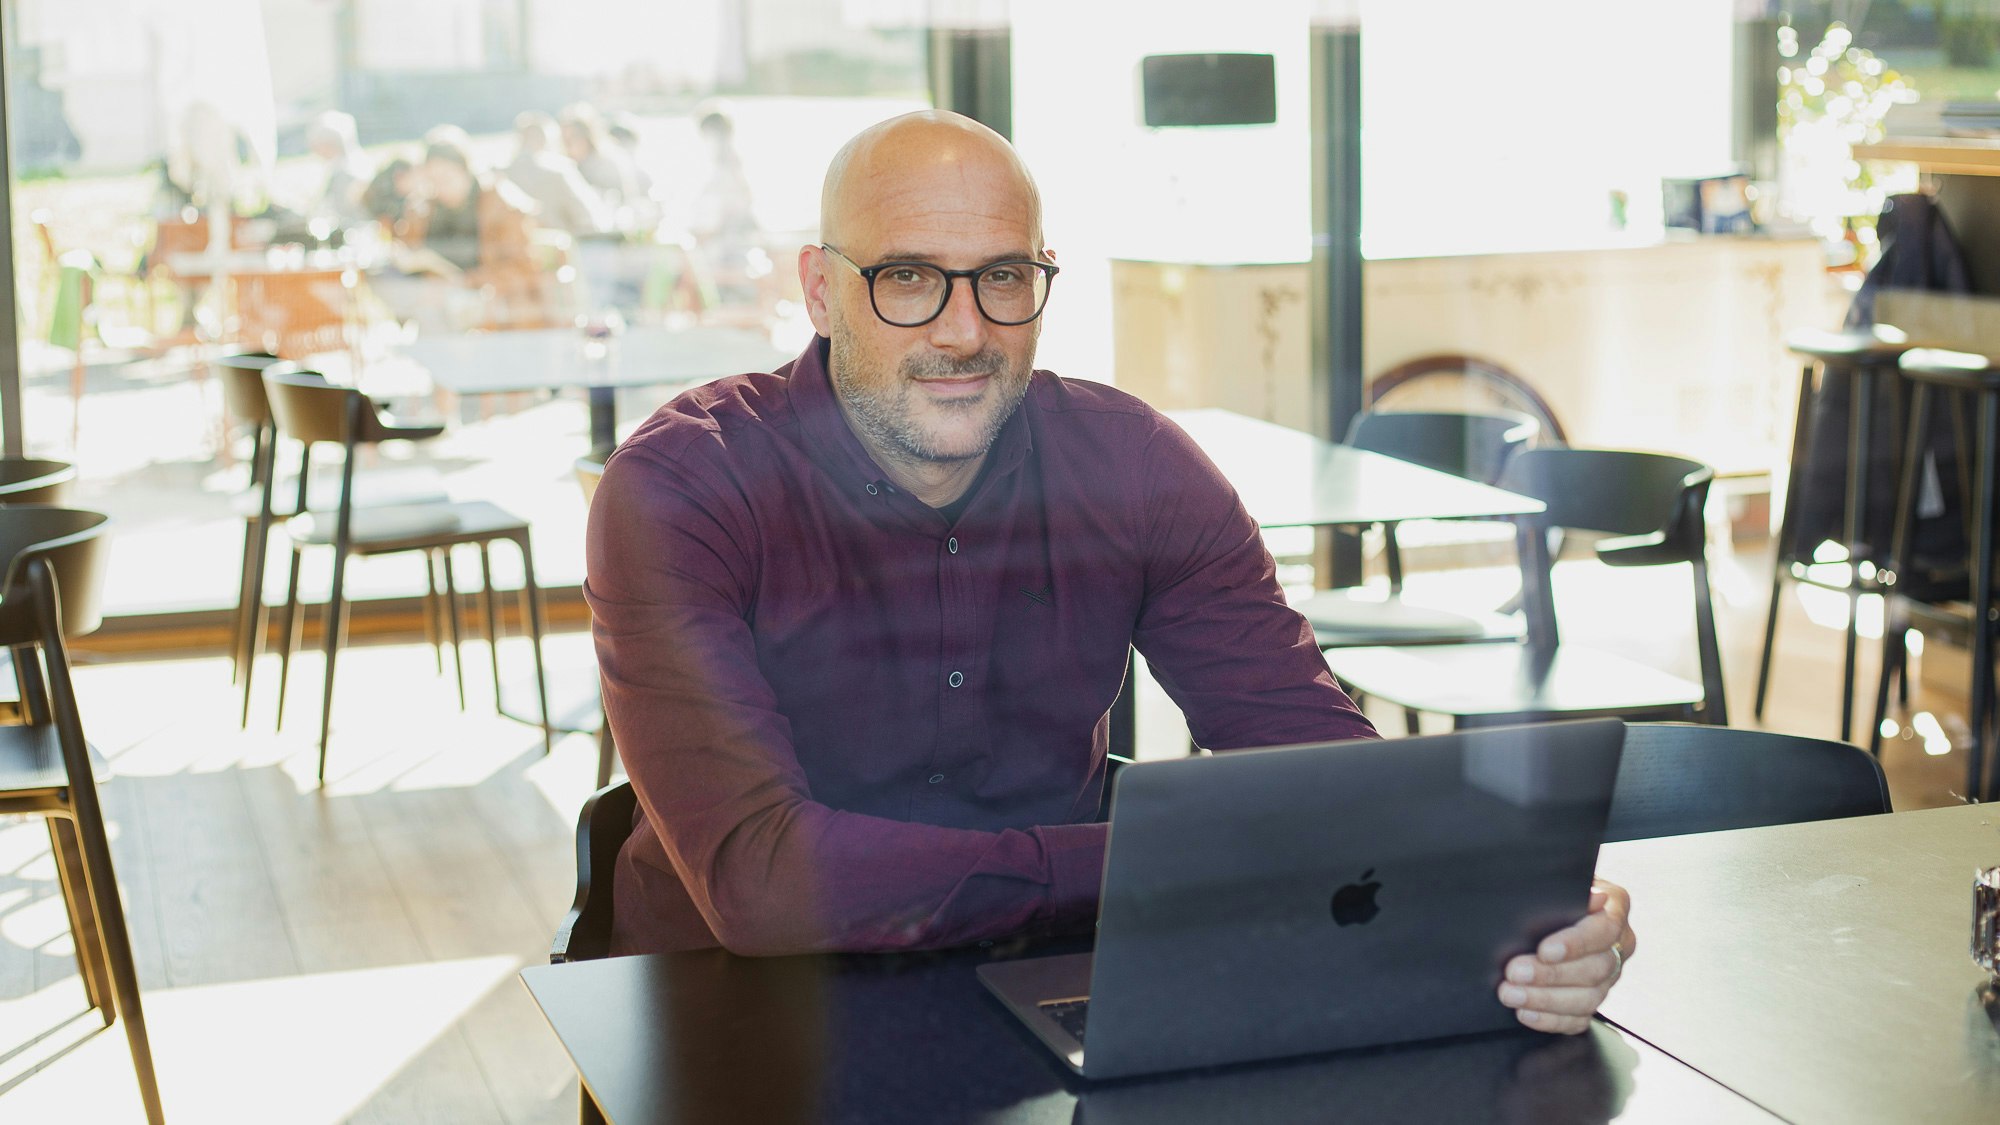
(350, 954)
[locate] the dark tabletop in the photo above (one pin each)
(1821, 970)
(709, 1037)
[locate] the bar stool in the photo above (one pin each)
(1977, 378)
(1860, 356)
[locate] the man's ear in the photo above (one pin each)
(1049, 255)
(813, 282)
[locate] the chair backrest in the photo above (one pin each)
(29, 480)
(309, 409)
(1677, 778)
(242, 377)
(1618, 491)
(601, 829)
(71, 540)
(1474, 446)
(588, 473)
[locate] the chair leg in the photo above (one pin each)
(102, 882)
(1714, 704)
(1895, 662)
(1860, 417)
(1982, 593)
(1781, 556)
(533, 594)
(335, 622)
(451, 616)
(294, 631)
(239, 626)
(433, 612)
(118, 949)
(83, 926)
(492, 605)
(1895, 618)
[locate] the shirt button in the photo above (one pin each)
(956, 679)
(871, 490)
(951, 544)
(936, 778)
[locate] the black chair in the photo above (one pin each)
(1652, 504)
(52, 591)
(1849, 364)
(601, 830)
(1474, 446)
(310, 411)
(1677, 778)
(268, 500)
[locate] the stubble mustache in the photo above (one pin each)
(934, 366)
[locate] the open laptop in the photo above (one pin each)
(1266, 903)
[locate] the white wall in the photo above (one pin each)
(1490, 126)
(1485, 126)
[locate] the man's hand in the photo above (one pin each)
(1566, 978)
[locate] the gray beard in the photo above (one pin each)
(885, 418)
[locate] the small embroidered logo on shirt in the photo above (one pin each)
(1044, 596)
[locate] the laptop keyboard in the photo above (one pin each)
(1068, 1014)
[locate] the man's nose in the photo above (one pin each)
(960, 327)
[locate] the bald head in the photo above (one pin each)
(931, 157)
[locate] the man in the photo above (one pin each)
(860, 621)
(563, 200)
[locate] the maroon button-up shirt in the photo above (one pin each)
(854, 725)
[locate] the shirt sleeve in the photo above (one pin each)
(1214, 626)
(671, 578)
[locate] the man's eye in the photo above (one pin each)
(904, 275)
(1002, 275)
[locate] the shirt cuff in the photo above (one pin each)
(1076, 870)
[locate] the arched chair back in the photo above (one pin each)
(31, 480)
(1473, 446)
(1678, 778)
(69, 541)
(309, 409)
(242, 377)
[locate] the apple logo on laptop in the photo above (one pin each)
(1354, 904)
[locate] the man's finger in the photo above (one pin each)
(1594, 970)
(1594, 934)
(1556, 1001)
(1554, 1024)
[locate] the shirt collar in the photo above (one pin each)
(833, 445)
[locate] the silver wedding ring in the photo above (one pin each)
(1619, 956)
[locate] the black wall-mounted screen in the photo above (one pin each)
(1209, 89)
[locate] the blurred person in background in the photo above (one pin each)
(466, 232)
(603, 164)
(723, 219)
(623, 131)
(564, 200)
(332, 138)
(387, 197)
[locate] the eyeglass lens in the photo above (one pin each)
(1007, 292)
